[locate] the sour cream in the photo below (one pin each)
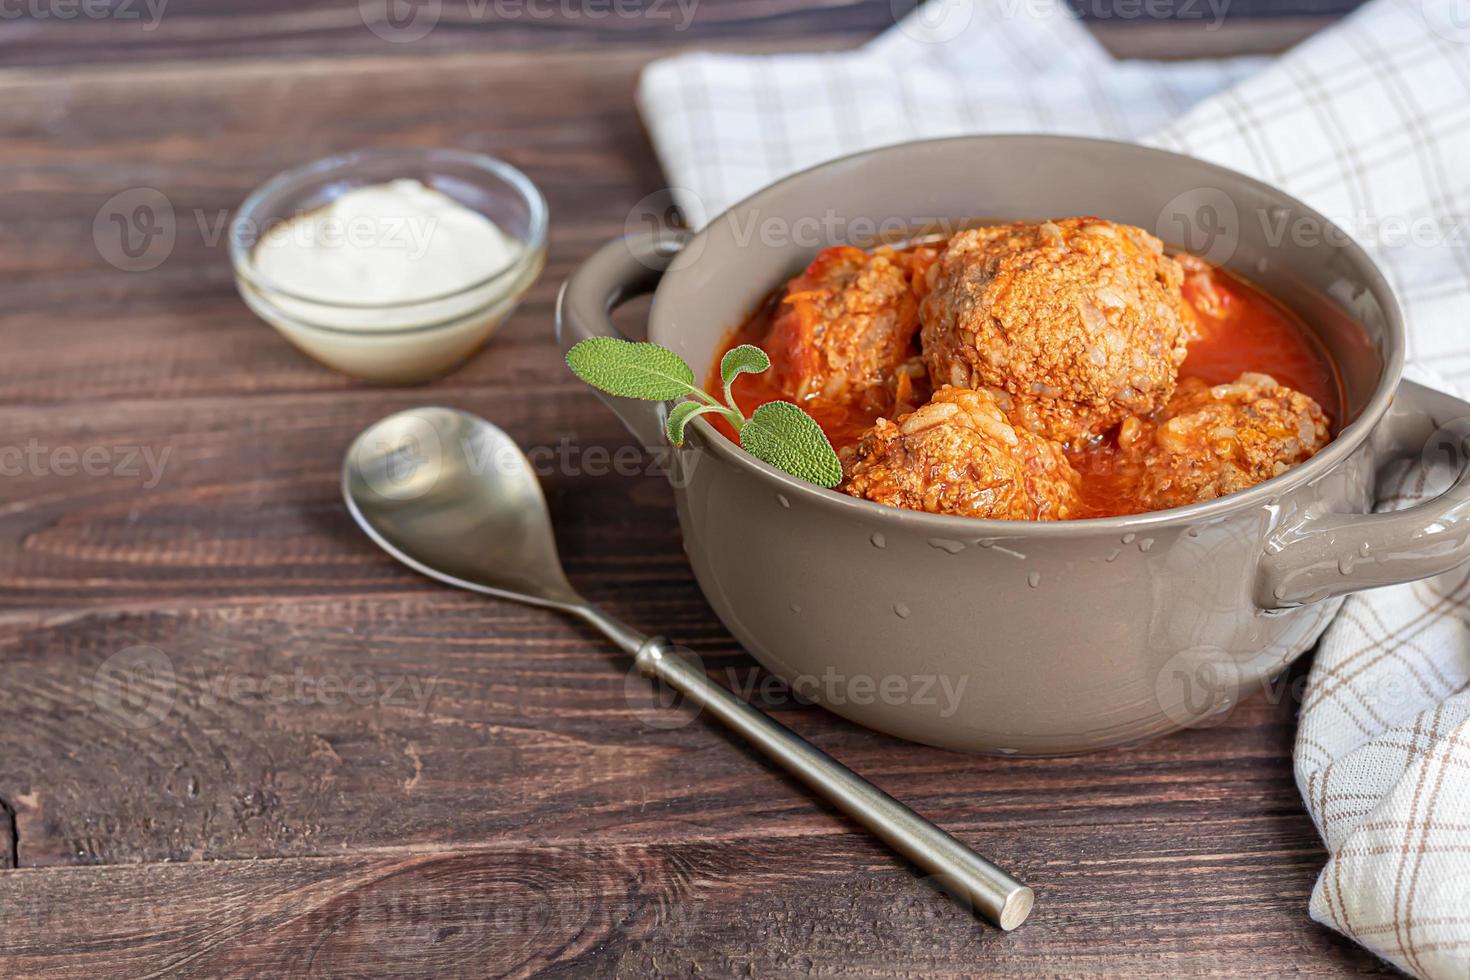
(393, 282)
(387, 244)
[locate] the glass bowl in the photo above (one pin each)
(395, 342)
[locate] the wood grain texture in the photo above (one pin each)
(776, 906)
(150, 31)
(144, 31)
(1203, 38)
(381, 715)
(238, 741)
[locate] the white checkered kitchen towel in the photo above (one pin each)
(1369, 122)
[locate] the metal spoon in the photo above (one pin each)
(453, 497)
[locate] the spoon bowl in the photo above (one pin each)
(453, 497)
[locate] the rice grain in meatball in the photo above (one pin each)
(1220, 439)
(958, 454)
(845, 333)
(1078, 322)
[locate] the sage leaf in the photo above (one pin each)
(742, 359)
(789, 439)
(631, 369)
(681, 415)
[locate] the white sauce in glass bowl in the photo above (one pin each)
(393, 282)
(386, 244)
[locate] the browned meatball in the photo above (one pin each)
(845, 333)
(958, 454)
(1079, 321)
(1215, 440)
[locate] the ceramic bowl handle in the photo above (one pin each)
(1334, 554)
(615, 273)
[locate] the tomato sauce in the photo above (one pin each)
(1240, 329)
(843, 425)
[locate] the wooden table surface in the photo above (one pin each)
(333, 766)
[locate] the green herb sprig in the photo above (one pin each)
(778, 433)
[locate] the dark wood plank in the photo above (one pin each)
(753, 906)
(137, 31)
(443, 720)
(1203, 37)
(221, 498)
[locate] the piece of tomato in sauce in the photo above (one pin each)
(843, 425)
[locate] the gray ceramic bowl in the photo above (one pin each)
(1021, 637)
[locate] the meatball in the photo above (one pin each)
(845, 332)
(958, 454)
(1078, 322)
(1215, 440)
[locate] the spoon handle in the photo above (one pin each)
(966, 875)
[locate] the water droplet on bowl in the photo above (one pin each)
(1129, 538)
(1145, 544)
(1034, 580)
(1346, 564)
(795, 608)
(1365, 549)
(781, 499)
(1113, 555)
(879, 541)
(947, 545)
(991, 544)
(901, 610)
